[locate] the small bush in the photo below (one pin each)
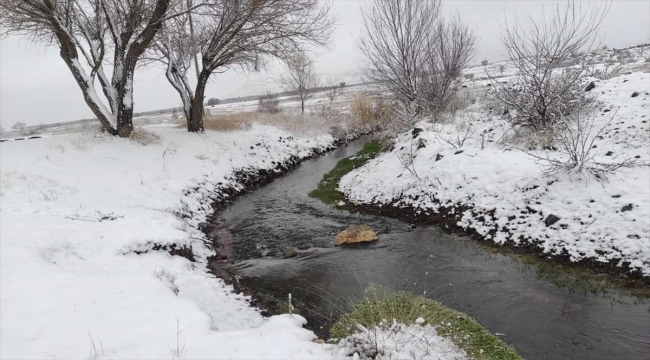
(577, 154)
(269, 103)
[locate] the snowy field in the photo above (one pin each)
(472, 163)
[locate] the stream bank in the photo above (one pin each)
(585, 275)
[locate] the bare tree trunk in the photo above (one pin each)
(70, 56)
(90, 100)
(125, 121)
(195, 121)
(302, 105)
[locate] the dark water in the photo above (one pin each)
(538, 319)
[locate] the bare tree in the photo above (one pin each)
(301, 77)
(395, 34)
(235, 33)
(541, 94)
(92, 35)
(413, 50)
(451, 46)
(19, 126)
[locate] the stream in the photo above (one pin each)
(540, 320)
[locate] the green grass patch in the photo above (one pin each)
(581, 279)
(327, 188)
(379, 304)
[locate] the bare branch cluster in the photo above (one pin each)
(542, 93)
(269, 103)
(234, 33)
(414, 51)
(578, 154)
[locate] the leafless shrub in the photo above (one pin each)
(269, 103)
(541, 95)
(577, 136)
(414, 51)
(334, 91)
(406, 156)
(606, 73)
(462, 131)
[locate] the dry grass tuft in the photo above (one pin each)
(370, 113)
(144, 137)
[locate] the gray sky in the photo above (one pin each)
(36, 86)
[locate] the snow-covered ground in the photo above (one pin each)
(80, 217)
(74, 209)
(503, 191)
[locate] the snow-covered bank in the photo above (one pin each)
(487, 185)
(74, 211)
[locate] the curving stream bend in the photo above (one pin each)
(540, 320)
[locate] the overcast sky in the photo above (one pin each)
(36, 87)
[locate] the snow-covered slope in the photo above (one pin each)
(503, 193)
(75, 209)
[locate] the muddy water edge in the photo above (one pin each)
(539, 319)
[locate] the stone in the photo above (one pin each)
(551, 219)
(290, 252)
(635, 94)
(590, 86)
(356, 235)
(439, 157)
(627, 207)
(416, 132)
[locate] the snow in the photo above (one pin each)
(500, 183)
(399, 341)
(80, 215)
(73, 210)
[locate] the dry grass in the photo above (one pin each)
(228, 122)
(295, 123)
(144, 137)
(370, 113)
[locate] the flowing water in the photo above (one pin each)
(540, 320)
